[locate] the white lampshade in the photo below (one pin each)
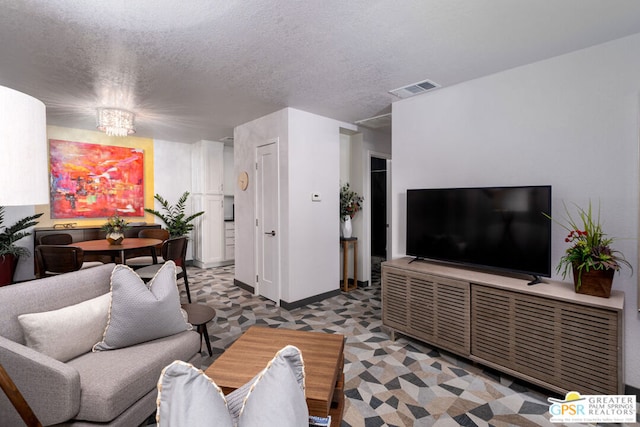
(23, 157)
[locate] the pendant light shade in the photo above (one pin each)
(23, 159)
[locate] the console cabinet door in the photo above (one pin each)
(395, 309)
(569, 346)
(431, 308)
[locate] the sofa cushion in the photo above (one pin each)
(186, 396)
(139, 313)
(112, 380)
(67, 332)
(49, 293)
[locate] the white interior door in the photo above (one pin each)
(267, 221)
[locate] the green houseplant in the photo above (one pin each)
(9, 251)
(590, 256)
(115, 228)
(177, 222)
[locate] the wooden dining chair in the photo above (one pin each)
(174, 249)
(56, 239)
(145, 260)
(52, 260)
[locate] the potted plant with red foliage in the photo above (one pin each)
(9, 251)
(590, 256)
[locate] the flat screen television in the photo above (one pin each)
(500, 228)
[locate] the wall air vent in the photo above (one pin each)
(414, 89)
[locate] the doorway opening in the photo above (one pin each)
(379, 220)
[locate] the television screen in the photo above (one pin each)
(493, 227)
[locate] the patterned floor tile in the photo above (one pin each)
(387, 383)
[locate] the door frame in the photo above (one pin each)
(366, 258)
(256, 228)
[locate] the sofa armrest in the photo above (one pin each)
(50, 387)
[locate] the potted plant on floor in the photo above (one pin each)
(177, 222)
(9, 251)
(590, 257)
(350, 205)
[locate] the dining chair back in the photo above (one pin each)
(174, 249)
(56, 239)
(52, 260)
(154, 233)
(139, 259)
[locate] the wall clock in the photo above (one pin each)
(243, 180)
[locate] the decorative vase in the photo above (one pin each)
(346, 227)
(594, 282)
(115, 238)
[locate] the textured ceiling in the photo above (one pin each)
(195, 69)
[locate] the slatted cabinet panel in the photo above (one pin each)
(452, 315)
(490, 322)
(589, 349)
(567, 346)
(431, 308)
(395, 311)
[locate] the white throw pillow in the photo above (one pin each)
(274, 397)
(67, 332)
(140, 313)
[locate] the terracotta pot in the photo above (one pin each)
(594, 282)
(8, 264)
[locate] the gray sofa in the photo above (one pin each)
(109, 388)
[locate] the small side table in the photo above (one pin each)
(345, 241)
(199, 315)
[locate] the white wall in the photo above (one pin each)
(172, 175)
(314, 227)
(571, 121)
(246, 138)
(309, 161)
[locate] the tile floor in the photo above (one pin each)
(387, 383)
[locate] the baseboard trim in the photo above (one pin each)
(244, 286)
(300, 303)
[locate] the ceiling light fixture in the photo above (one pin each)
(115, 121)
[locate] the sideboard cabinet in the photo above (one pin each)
(80, 234)
(545, 334)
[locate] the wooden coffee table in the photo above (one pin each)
(323, 364)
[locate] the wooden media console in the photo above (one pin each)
(545, 334)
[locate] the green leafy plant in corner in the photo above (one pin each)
(174, 217)
(15, 232)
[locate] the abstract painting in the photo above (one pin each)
(95, 181)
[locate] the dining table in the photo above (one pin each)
(104, 247)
